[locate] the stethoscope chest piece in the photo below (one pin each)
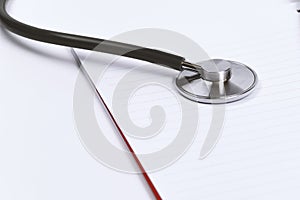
(218, 81)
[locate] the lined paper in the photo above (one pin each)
(258, 154)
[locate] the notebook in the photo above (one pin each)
(256, 154)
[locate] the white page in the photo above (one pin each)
(258, 153)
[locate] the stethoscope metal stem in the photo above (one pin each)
(214, 75)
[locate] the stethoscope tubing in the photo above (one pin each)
(89, 43)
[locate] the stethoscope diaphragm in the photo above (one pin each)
(237, 83)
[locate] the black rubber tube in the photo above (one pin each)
(89, 43)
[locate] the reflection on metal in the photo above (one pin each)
(219, 81)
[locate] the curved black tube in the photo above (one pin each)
(89, 43)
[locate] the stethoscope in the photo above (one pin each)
(214, 81)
